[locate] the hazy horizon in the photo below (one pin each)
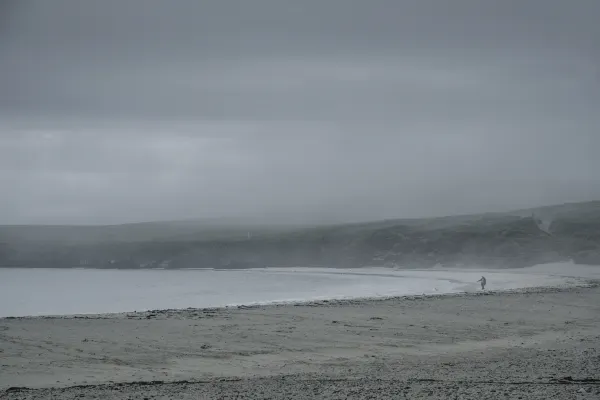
(346, 111)
(300, 219)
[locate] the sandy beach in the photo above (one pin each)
(529, 344)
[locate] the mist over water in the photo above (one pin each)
(240, 125)
(29, 292)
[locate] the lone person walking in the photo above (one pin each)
(483, 281)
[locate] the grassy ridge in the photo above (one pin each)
(513, 239)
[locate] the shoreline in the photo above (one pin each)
(543, 276)
(583, 283)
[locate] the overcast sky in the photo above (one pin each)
(115, 111)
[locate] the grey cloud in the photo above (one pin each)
(116, 111)
(232, 59)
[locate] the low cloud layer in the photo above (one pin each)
(341, 111)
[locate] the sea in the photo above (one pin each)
(39, 292)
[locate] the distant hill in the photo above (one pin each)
(507, 239)
(137, 232)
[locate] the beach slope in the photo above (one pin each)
(537, 343)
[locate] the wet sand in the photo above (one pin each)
(530, 344)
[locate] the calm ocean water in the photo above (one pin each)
(25, 292)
